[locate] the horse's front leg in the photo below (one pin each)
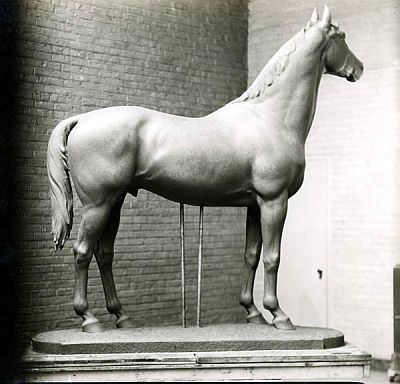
(251, 259)
(273, 214)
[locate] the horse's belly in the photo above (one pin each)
(198, 181)
(201, 195)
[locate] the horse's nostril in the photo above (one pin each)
(353, 76)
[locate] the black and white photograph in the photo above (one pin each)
(200, 190)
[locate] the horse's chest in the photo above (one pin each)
(278, 171)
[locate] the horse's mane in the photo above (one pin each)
(275, 66)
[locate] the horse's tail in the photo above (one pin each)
(60, 183)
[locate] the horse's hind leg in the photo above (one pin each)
(251, 259)
(104, 256)
(94, 219)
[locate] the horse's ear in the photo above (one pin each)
(326, 17)
(314, 17)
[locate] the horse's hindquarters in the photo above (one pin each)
(101, 159)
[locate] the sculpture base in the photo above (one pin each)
(221, 337)
(228, 351)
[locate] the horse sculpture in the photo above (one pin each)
(248, 153)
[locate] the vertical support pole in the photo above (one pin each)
(199, 265)
(394, 370)
(182, 238)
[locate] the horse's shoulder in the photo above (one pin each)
(278, 158)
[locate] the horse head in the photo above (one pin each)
(338, 59)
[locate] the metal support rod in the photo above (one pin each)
(199, 265)
(182, 238)
(394, 370)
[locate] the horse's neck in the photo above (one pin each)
(295, 96)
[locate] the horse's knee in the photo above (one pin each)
(82, 255)
(104, 258)
(271, 261)
(252, 256)
(104, 265)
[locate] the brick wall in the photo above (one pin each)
(356, 126)
(182, 57)
(7, 258)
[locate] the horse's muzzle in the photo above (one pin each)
(357, 71)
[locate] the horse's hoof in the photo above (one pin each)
(256, 319)
(283, 323)
(124, 322)
(92, 326)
